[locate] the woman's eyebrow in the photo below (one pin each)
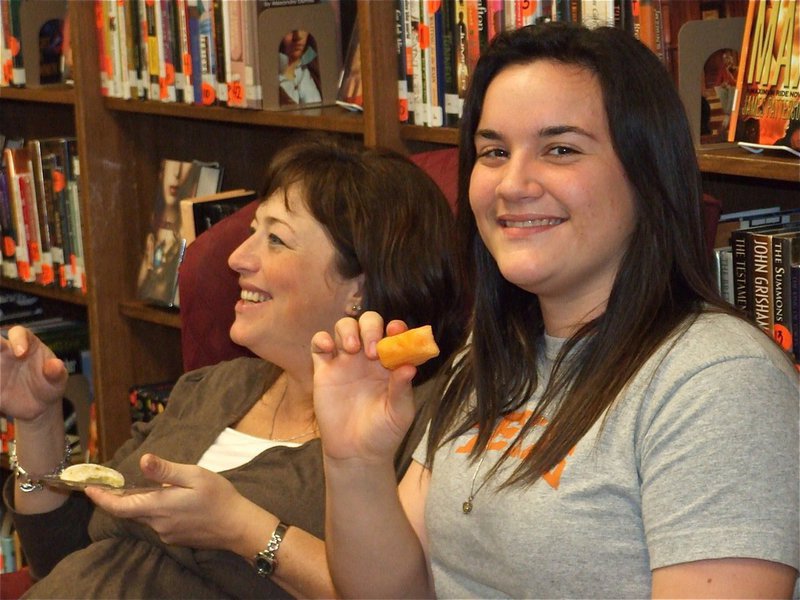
(555, 130)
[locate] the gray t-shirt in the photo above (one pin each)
(698, 458)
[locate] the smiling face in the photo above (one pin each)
(290, 287)
(550, 197)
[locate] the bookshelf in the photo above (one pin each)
(121, 143)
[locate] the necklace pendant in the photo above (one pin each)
(467, 506)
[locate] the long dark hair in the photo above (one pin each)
(663, 280)
(387, 219)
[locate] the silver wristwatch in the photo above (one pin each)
(265, 561)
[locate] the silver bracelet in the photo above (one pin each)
(32, 483)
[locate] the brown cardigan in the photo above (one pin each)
(120, 558)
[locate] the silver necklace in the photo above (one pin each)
(308, 431)
(466, 507)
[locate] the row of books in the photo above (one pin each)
(439, 43)
(40, 215)
(759, 272)
(233, 53)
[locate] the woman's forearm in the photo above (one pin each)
(372, 548)
(302, 567)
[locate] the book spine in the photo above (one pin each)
(782, 292)
(473, 34)
(452, 104)
(53, 214)
(219, 48)
(15, 33)
(140, 21)
(130, 8)
(726, 275)
(103, 56)
(154, 64)
(420, 99)
(9, 240)
(759, 263)
(5, 51)
(739, 250)
(169, 48)
(494, 17)
(184, 51)
(21, 249)
(119, 31)
(402, 84)
(795, 312)
(77, 261)
(208, 52)
(45, 274)
(435, 63)
(408, 46)
(252, 70)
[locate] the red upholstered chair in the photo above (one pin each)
(209, 288)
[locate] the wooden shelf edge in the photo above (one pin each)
(739, 162)
(50, 94)
(53, 293)
(437, 135)
(140, 311)
(328, 118)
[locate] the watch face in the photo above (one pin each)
(264, 565)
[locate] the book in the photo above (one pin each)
(235, 51)
(57, 161)
(785, 252)
(202, 11)
(795, 314)
(300, 60)
(452, 102)
(402, 83)
(13, 31)
(201, 212)
(164, 247)
(7, 228)
(46, 273)
(169, 55)
(41, 26)
(759, 273)
(767, 101)
(77, 256)
(350, 95)
(19, 184)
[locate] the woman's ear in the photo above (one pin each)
(355, 299)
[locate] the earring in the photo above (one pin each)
(356, 308)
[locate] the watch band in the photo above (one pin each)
(265, 561)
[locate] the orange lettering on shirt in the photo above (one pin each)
(553, 476)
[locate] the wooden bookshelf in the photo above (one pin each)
(121, 143)
(742, 163)
(49, 94)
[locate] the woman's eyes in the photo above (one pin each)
(492, 153)
(275, 240)
(561, 151)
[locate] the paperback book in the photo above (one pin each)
(766, 110)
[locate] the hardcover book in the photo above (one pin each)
(766, 109)
(299, 57)
(164, 246)
(201, 212)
